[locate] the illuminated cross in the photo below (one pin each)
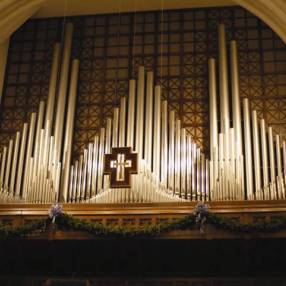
(120, 164)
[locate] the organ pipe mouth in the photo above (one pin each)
(37, 167)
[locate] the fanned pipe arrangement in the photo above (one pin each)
(246, 160)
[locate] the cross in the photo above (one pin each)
(120, 164)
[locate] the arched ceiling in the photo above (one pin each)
(56, 8)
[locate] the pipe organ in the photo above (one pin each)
(246, 161)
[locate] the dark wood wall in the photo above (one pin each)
(175, 44)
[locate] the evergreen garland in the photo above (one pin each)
(68, 222)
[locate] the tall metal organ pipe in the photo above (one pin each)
(62, 92)
(69, 130)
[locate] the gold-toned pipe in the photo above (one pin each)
(70, 194)
(100, 160)
(264, 155)
(183, 158)
(271, 161)
(89, 169)
(194, 164)
(222, 168)
(149, 120)
(122, 122)
(131, 112)
(223, 83)
(69, 131)
(8, 165)
(21, 160)
(171, 150)
(278, 157)
(207, 172)
(284, 155)
(213, 116)
(203, 177)
(236, 110)
(37, 144)
(157, 132)
(177, 157)
(29, 153)
(189, 166)
(62, 91)
(75, 178)
(115, 127)
(79, 180)
(164, 143)
(84, 172)
(53, 84)
(3, 165)
(198, 174)
(140, 113)
(248, 152)
(94, 166)
(256, 152)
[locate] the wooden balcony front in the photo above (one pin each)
(135, 215)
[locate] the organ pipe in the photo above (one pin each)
(62, 92)
(264, 153)
(223, 81)
(157, 131)
(247, 147)
(53, 83)
(122, 122)
(21, 160)
(8, 165)
(236, 111)
(149, 120)
(256, 152)
(131, 107)
(139, 113)
(69, 130)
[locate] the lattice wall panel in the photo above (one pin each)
(175, 44)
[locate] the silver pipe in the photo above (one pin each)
(21, 160)
(140, 113)
(248, 151)
(264, 154)
(122, 122)
(100, 160)
(62, 92)
(164, 143)
(157, 132)
(8, 165)
(171, 150)
(29, 153)
(75, 178)
(3, 165)
(94, 166)
(53, 84)
(278, 157)
(115, 127)
(89, 169)
(131, 112)
(223, 83)
(213, 109)
(149, 120)
(79, 180)
(83, 185)
(177, 157)
(14, 163)
(236, 110)
(183, 184)
(271, 156)
(69, 131)
(256, 152)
